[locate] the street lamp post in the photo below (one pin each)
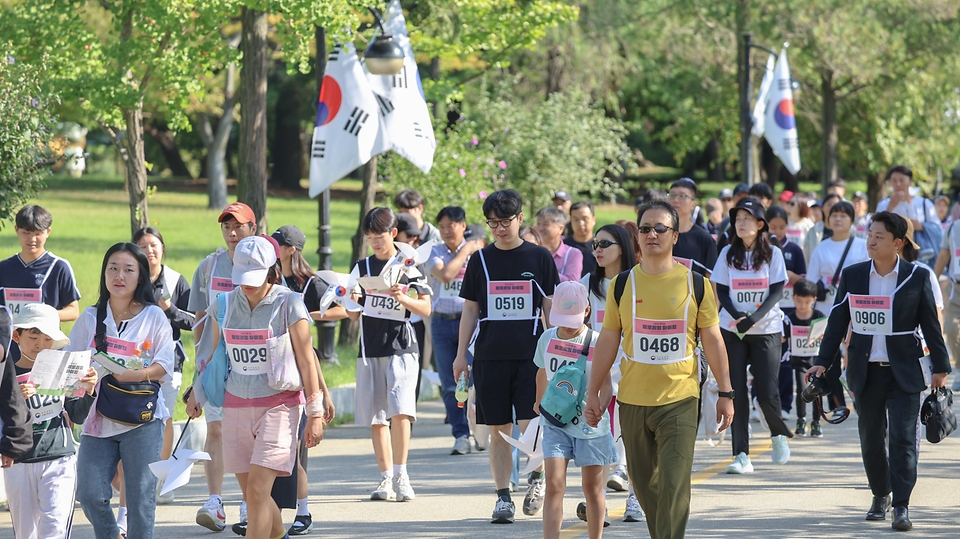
(746, 113)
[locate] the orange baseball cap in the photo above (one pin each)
(240, 211)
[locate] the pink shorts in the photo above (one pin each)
(266, 437)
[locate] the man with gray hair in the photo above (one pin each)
(569, 260)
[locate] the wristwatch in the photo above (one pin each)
(729, 394)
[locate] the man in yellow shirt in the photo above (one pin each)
(656, 321)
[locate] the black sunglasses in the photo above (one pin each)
(659, 229)
(603, 244)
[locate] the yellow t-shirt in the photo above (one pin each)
(659, 297)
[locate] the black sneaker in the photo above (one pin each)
(801, 428)
(815, 431)
(301, 525)
(582, 514)
(240, 528)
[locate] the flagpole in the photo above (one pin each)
(746, 111)
(326, 331)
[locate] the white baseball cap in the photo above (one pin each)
(252, 260)
(44, 318)
(570, 304)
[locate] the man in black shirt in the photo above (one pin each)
(695, 247)
(506, 287)
(582, 221)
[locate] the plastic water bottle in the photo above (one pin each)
(462, 392)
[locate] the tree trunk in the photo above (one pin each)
(216, 142)
(171, 151)
(828, 170)
(287, 151)
(714, 161)
(435, 75)
(136, 168)
(875, 184)
(349, 329)
(554, 69)
(252, 182)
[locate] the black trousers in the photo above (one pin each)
(762, 354)
(883, 405)
(420, 329)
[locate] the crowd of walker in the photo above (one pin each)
(604, 336)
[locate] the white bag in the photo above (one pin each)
(283, 374)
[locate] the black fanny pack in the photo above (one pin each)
(130, 403)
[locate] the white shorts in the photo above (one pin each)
(41, 497)
(171, 392)
(386, 387)
(212, 413)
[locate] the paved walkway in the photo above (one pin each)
(820, 493)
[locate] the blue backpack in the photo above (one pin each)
(929, 238)
(213, 379)
(563, 399)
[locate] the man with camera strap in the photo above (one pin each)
(889, 298)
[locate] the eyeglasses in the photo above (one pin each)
(603, 244)
(680, 196)
(659, 229)
(500, 223)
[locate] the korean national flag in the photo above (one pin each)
(780, 127)
(401, 102)
(347, 120)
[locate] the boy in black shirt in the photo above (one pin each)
(506, 287)
(796, 328)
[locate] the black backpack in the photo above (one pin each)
(621, 282)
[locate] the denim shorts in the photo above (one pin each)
(600, 451)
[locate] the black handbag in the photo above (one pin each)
(821, 287)
(937, 415)
(129, 403)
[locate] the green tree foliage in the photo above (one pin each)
(565, 143)
(25, 132)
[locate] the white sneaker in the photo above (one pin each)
(211, 515)
(781, 450)
(784, 414)
(243, 511)
(164, 499)
(404, 492)
(461, 446)
(618, 480)
(740, 465)
(384, 491)
(633, 512)
(533, 501)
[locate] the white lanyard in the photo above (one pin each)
(873, 314)
(749, 289)
(660, 342)
(383, 305)
(218, 285)
(247, 348)
(510, 300)
(17, 298)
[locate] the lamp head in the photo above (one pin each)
(384, 56)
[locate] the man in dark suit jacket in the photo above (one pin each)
(884, 369)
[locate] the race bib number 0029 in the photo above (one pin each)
(247, 350)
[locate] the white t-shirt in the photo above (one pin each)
(918, 208)
(152, 325)
(824, 261)
(749, 288)
(597, 306)
(549, 358)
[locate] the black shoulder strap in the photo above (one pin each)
(619, 284)
(100, 338)
(843, 257)
(586, 344)
(698, 286)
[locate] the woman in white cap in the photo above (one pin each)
(750, 275)
(261, 413)
(131, 338)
